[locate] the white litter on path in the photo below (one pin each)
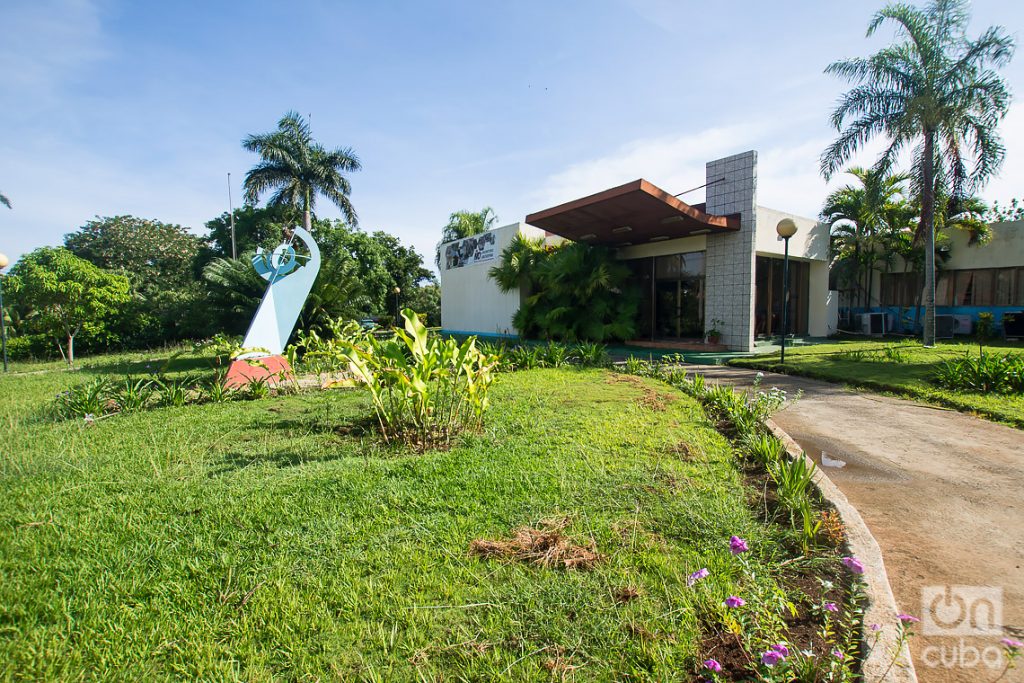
(831, 462)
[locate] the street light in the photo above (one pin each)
(397, 290)
(786, 229)
(3, 323)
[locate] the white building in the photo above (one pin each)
(717, 261)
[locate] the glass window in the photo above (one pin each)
(667, 267)
(1004, 294)
(983, 287)
(1019, 299)
(963, 289)
(692, 264)
(944, 289)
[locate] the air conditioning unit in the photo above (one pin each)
(962, 324)
(945, 325)
(872, 324)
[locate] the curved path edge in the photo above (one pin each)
(881, 609)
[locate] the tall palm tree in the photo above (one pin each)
(298, 168)
(860, 217)
(935, 93)
(468, 223)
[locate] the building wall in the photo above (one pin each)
(471, 301)
(683, 245)
(809, 242)
(729, 279)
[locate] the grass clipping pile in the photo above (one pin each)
(544, 546)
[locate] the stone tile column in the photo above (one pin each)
(730, 259)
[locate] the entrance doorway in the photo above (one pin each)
(769, 297)
(673, 289)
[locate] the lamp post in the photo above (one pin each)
(786, 229)
(398, 315)
(3, 322)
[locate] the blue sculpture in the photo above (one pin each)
(290, 277)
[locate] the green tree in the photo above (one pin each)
(298, 169)
(861, 218)
(934, 91)
(67, 294)
(572, 292)
(159, 259)
(425, 299)
(254, 227)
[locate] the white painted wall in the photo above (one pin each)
(471, 301)
(683, 245)
(809, 242)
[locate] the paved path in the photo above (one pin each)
(942, 492)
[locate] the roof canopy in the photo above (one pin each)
(633, 213)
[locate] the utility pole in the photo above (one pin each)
(231, 213)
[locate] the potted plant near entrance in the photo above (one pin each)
(714, 335)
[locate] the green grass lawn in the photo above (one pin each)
(865, 364)
(275, 539)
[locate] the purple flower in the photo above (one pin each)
(876, 627)
(838, 654)
(733, 601)
(771, 658)
(831, 607)
(853, 564)
(737, 545)
(781, 649)
(712, 665)
(908, 619)
(1011, 643)
(696, 576)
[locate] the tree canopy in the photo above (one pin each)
(934, 93)
(64, 294)
(297, 169)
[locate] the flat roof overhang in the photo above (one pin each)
(634, 213)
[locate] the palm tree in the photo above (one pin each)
(4, 200)
(298, 169)
(935, 93)
(860, 218)
(468, 223)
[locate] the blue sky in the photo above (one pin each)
(113, 107)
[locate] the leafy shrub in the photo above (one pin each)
(765, 448)
(984, 373)
(172, 392)
(793, 478)
(133, 394)
(88, 399)
(555, 355)
(591, 354)
(425, 389)
(526, 357)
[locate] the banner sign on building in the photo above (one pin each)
(477, 249)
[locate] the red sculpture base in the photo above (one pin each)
(272, 368)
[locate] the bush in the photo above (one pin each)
(983, 374)
(426, 390)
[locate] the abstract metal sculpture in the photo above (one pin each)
(290, 277)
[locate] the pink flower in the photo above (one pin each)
(696, 576)
(838, 655)
(712, 665)
(908, 619)
(733, 601)
(771, 658)
(853, 564)
(876, 627)
(737, 545)
(831, 607)
(1011, 643)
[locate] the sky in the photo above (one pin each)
(113, 107)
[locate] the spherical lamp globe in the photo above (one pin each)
(786, 228)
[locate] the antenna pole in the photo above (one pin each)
(231, 212)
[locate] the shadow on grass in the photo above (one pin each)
(235, 460)
(150, 366)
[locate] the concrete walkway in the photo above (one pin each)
(942, 492)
